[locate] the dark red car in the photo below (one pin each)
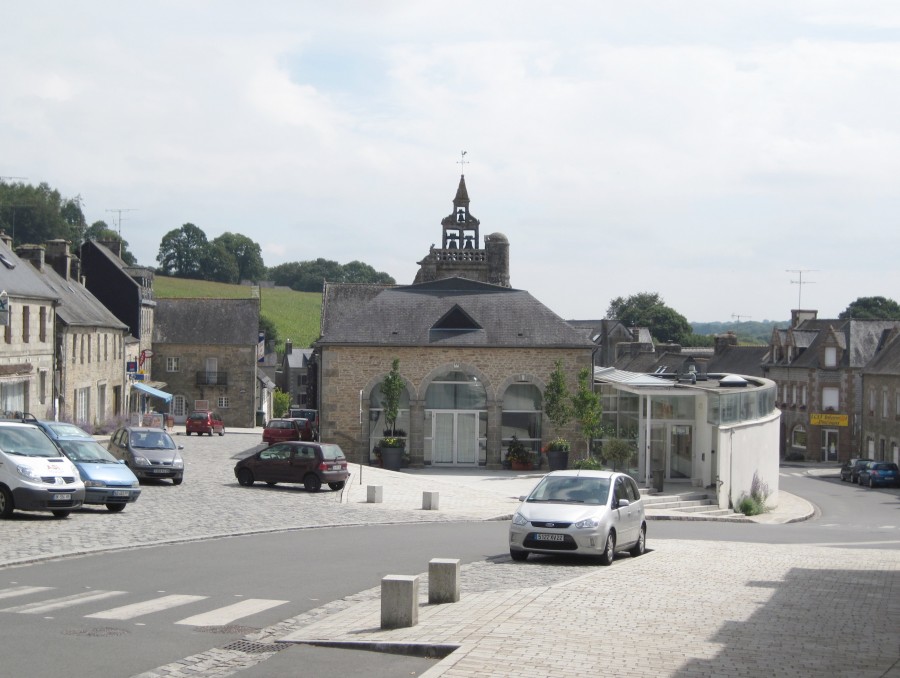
(278, 430)
(204, 421)
(295, 462)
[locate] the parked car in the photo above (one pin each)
(277, 430)
(62, 429)
(594, 513)
(148, 452)
(295, 462)
(877, 473)
(301, 413)
(850, 468)
(107, 480)
(34, 474)
(204, 421)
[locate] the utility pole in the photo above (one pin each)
(738, 317)
(118, 211)
(800, 282)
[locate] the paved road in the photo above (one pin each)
(689, 607)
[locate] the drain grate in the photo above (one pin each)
(250, 647)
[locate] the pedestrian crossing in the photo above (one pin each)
(216, 616)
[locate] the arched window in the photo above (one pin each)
(522, 414)
(455, 419)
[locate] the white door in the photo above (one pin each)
(455, 438)
(212, 368)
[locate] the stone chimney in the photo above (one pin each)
(6, 238)
(288, 346)
(33, 253)
(799, 315)
(59, 257)
(723, 341)
(114, 245)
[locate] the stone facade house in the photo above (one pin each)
(881, 402)
(296, 376)
(206, 351)
(27, 319)
(90, 341)
(818, 366)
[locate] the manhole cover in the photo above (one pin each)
(101, 632)
(250, 647)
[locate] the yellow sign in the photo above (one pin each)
(817, 419)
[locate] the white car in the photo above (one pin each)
(595, 513)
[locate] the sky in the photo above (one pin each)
(716, 153)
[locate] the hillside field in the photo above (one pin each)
(295, 314)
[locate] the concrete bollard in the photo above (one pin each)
(399, 601)
(430, 501)
(443, 580)
(374, 494)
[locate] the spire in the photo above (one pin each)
(462, 195)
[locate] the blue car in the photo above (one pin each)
(106, 479)
(877, 473)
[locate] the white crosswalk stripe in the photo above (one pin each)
(229, 613)
(66, 601)
(145, 607)
(14, 591)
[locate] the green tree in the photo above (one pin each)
(587, 409)
(358, 272)
(218, 264)
(246, 254)
(618, 451)
(36, 214)
(181, 251)
(556, 404)
(267, 326)
(871, 308)
(392, 389)
(99, 230)
(309, 276)
(648, 310)
(281, 403)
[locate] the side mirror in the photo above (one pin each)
(622, 503)
(522, 498)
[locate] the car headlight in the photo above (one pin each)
(29, 473)
(587, 523)
(178, 462)
(140, 461)
(94, 483)
(519, 519)
(135, 483)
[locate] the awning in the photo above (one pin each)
(152, 391)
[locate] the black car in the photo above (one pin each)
(851, 467)
(295, 462)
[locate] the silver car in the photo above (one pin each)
(150, 453)
(595, 513)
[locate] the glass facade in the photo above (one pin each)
(522, 415)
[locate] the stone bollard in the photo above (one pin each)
(443, 580)
(374, 494)
(399, 601)
(430, 501)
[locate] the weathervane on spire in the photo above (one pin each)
(462, 162)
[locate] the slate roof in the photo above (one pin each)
(207, 321)
(746, 360)
(79, 308)
(20, 279)
(858, 338)
(447, 312)
(298, 358)
(887, 360)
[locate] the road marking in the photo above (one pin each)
(67, 601)
(22, 590)
(146, 607)
(229, 613)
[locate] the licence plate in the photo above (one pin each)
(62, 497)
(548, 537)
(120, 493)
(336, 467)
(160, 470)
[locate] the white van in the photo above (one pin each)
(34, 474)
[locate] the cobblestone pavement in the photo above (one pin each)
(684, 609)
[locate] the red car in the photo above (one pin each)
(204, 421)
(278, 430)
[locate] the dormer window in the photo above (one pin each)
(830, 356)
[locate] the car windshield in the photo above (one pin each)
(71, 430)
(151, 440)
(332, 452)
(27, 442)
(88, 451)
(571, 489)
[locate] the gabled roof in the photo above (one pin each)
(887, 360)
(20, 279)
(411, 315)
(740, 360)
(298, 358)
(233, 322)
(859, 340)
(78, 308)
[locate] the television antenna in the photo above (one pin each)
(118, 211)
(800, 282)
(737, 317)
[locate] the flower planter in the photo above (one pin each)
(558, 460)
(522, 466)
(392, 458)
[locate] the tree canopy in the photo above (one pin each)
(871, 308)
(36, 214)
(647, 309)
(245, 253)
(181, 252)
(99, 230)
(308, 276)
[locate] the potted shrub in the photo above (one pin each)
(519, 456)
(393, 445)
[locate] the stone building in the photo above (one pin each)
(206, 351)
(295, 375)
(474, 354)
(27, 317)
(90, 341)
(881, 401)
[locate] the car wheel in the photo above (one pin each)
(336, 486)
(177, 481)
(61, 514)
(187, 433)
(518, 556)
(312, 483)
(6, 503)
(641, 546)
(245, 477)
(609, 552)
(221, 433)
(115, 508)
